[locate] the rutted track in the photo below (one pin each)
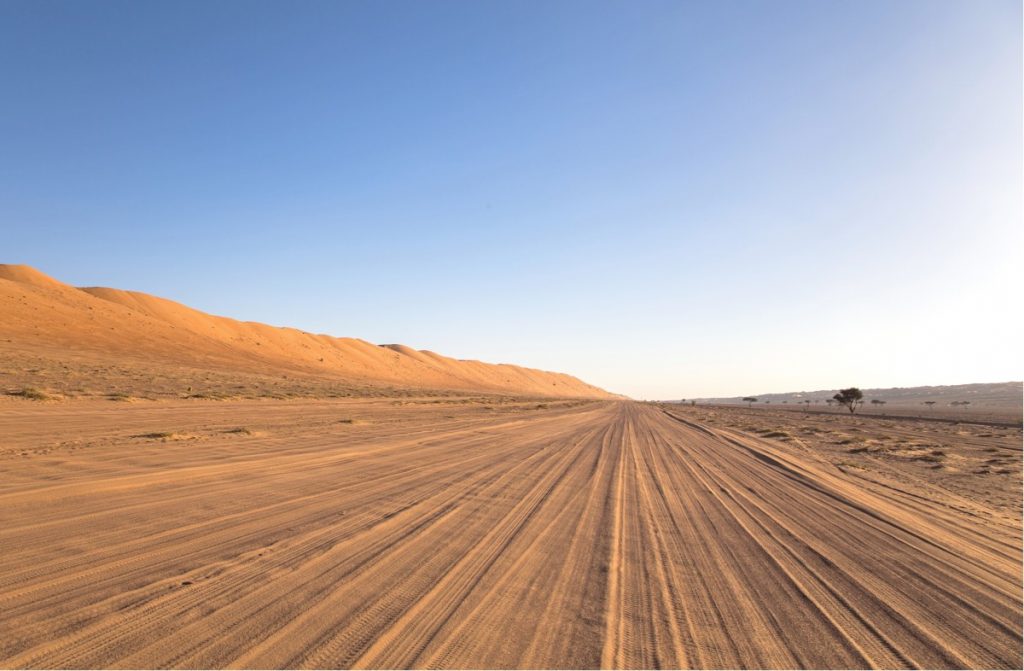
(611, 534)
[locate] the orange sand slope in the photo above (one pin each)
(43, 313)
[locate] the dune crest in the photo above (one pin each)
(28, 275)
(42, 312)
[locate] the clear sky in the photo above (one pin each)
(667, 199)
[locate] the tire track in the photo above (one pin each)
(611, 535)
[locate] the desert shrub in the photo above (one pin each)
(32, 394)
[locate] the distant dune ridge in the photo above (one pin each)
(993, 394)
(40, 313)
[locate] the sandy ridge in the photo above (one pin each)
(51, 319)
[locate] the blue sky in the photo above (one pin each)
(666, 199)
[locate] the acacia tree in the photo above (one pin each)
(750, 400)
(876, 401)
(850, 398)
(929, 404)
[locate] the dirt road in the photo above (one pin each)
(605, 534)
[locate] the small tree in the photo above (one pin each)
(830, 401)
(850, 398)
(750, 400)
(929, 404)
(877, 402)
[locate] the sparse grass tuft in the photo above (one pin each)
(167, 436)
(210, 395)
(32, 394)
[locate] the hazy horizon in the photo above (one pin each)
(864, 388)
(666, 200)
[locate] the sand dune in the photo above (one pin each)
(50, 318)
(578, 534)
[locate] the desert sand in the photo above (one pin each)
(474, 533)
(185, 491)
